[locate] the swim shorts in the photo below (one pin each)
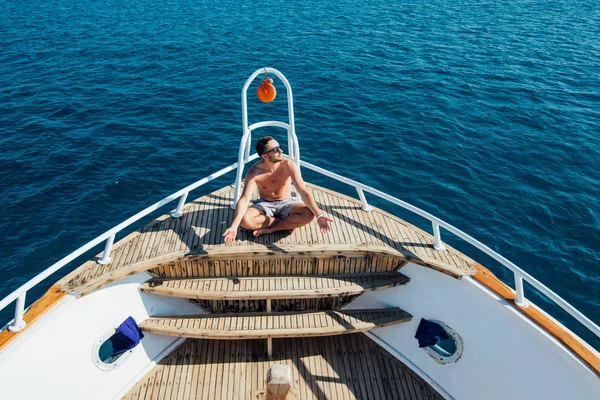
(278, 208)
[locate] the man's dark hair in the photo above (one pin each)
(261, 144)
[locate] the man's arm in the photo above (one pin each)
(307, 197)
(240, 208)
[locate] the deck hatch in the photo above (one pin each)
(440, 341)
(116, 345)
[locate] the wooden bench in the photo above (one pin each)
(274, 324)
(273, 287)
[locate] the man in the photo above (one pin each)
(276, 210)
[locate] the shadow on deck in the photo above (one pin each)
(335, 367)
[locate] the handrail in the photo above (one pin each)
(243, 155)
(19, 294)
(244, 150)
(519, 273)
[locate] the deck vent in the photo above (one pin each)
(440, 341)
(116, 345)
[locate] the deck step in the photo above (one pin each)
(274, 325)
(273, 287)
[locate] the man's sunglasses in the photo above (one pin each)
(275, 149)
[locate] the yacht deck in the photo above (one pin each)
(334, 367)
(205, 219)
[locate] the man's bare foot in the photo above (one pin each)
(266, 231)
(259, 232)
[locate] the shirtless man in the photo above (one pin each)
(276, 210)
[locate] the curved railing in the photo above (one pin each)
(520, 275)
(109, 236)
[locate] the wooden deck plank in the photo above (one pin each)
(351, 214)
(143, 246)
(203, 216)
(345, 227)
(154, 242)
(206, 217)
(332, 354)
(175, 234)
(358, 370)
(191, 227)
(310, 370)
(211, 207)
(148, 384)
(186, 226)
(204, 221)
(326, 208)
(372, 367)
(395, 382)
(222, 220)
(379, 234)
(338, 231)
(191, 380)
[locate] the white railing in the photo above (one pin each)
(244, 151)
(294, 154)
(438, 245)
(109, 236)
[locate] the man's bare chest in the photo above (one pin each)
(273, 180)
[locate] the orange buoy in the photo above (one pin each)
(266, 92)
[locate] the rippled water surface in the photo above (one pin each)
(485, 114)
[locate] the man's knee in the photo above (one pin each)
(307, 215)
(248, 220)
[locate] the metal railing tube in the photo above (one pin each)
(296, 146)
(437, 238)
(19, 294)
(294, 150)
(105, 259)
(247, 152)
(520, 300)
(263, 124)
(177, 213)
(93, 243)
(240, 169)
(18, 322)
(363, 200)
(291, 146)
(508, 264)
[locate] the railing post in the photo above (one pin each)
(240, 167)
(247, 152)
(520, 300)
(105, 259)
(177, 213)
(18, 323)
(437, 239)
(363, 200)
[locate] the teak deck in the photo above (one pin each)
(335, 368)
(205, 219)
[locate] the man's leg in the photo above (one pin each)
(255, 218)
(300, 215)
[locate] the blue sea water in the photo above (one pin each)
(486, 114)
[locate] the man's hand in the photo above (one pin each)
(230, 234)
(323, 223)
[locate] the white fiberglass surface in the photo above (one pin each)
(53, 358)
(505, 356)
